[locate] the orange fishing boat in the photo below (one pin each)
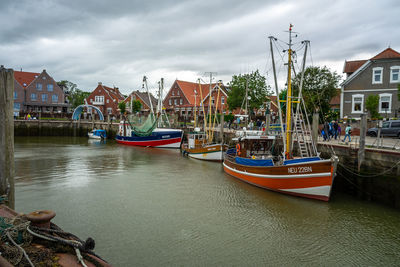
(289, 162)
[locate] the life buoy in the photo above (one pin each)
(238, 149)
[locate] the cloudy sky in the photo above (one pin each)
(118, 42)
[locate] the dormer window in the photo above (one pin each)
(395, 74)
(377, 75)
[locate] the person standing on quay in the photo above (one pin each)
(348, 133)
(335, 129)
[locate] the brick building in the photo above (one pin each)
(106, 99)
(37, 92)
(183, 97)
(143, 97)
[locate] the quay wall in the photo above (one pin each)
(62, 128)
(378, 179)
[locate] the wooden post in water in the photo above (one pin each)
(315, 123)
(222, 127)
(7, 135)
(363, 133)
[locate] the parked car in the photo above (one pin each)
(389, 128)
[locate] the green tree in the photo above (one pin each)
(136, 106)
(74, 95)
(122, 107)
(257, 90)
(319, 87)
(372, 104)
(398, 92)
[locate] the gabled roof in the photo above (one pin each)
(114, 93)
(144, 97)
(25, 78)
(352, 66)
(188, 89)
(387, 53)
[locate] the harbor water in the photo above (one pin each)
(153, 207)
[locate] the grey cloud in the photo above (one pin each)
(117, 42)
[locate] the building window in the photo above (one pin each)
(177, 93)
(17, 106)
(173, 93)
(44, 97)
(15, 95)
(357, 103)
(109, 110)
(91, 100)
(180, 101)
(108, 101)
(54, 98)
(377, 75)
(170, 102)
(39, 86)
(394, 74)
(212, 100)
(222, 100)
(385, 103)
(175, 102)
(99, 99)
(50, 87)
(33, 97)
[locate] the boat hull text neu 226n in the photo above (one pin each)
(160, 137)
(286, 161)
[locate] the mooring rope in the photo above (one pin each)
(19, 247)
(369, 176)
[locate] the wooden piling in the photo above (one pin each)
(222, 127)
(315, 129)
(7, 136)
(363, 133)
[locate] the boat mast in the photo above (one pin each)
(209, 111)
(148, 94)
(289, 98)
(247, 102)
(277, 92)
(195, 107)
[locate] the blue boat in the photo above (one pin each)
(97, 134)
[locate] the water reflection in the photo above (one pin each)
(147, 206)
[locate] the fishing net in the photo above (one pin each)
(141, 125)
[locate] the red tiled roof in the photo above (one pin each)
(336, 99)
(189, 87)
(114, 93)
(25, 78)
(387, 53)
(352, 66)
